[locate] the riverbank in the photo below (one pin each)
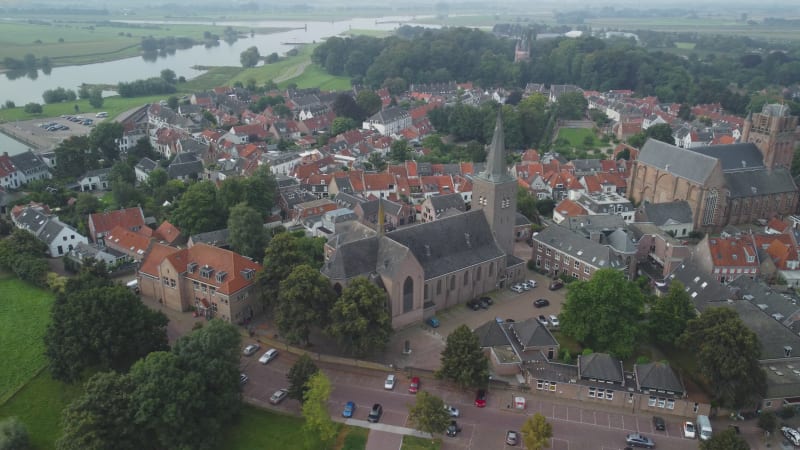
(18, 134)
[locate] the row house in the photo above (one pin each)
(59, 237)
(22, 168)
(439, 206)
(779, 255)
(217, 283)
(728, 258)
(132, 244)
(388, 121)
(395, 214)
(568, 208)
(101, 224)
(608, 204)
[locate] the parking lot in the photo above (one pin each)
(34, 133)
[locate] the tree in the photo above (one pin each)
(526, 205)
(105, 327)
(345, 106)
(33, 108)
(360, 319)
(304, 301)
(342, 124)
(23, 254)
(536, 432)
(727, 354)
(247, 235)
(250, 57)
(284, 253)
(603, 313)
(571, 106)
(768, 422)
(685, 112)
(198, 210)
(86, 204)
(669, 315)
(318, 427)
(13, 434)
(168, 75)
(463, 360)
(104, 138)
(299, 375)
(399, 151)
(96, 98)
(661, 132)
(102, 417)
(369, 102)
(427, 414)
(725, 440)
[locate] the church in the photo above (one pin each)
(435, 265)
(725, 184)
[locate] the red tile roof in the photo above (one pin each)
(154, 257)
(220, 260)
(128, 218)
(128, 242)
(732, 252)
(568, 208)
(167, 232)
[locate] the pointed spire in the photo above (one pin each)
(496, 169)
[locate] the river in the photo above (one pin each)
(24, 90)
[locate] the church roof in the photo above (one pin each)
(733, 156)
(759, 182)
(670, 213)
(496, 170)
(449, 244)
(684, 163)
(353, 259)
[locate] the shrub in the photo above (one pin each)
(13, 434)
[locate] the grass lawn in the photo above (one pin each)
(113, 105)
(213, 77)
(284, 67)
(24, 315)
(260, 429)
(577, 136)
(564, 341)
(316, 76)
(417, 443)
(38, 405)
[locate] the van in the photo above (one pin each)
(704, 427)
(101, 114)
(133, 285)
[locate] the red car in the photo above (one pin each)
(414, 387)
(480, 399)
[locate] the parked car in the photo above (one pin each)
(554, 320)
(278, 396)
(433, 322)
(251, 349)
(474, 304)
(389, 383)
(517, 288)
(375, 413)
(543, 320)
(453, 429)
(452, 410)
(556, 285)
(541, 303)
(483, 303)
(243, 379)
(349, 409)
(413, 388)
(688, 430)
(639, 440)
(480, 398)
(268, 356)
(658, 423)
(524, 286)
(792, 435)
(512, 437)
(487, 300)
(532, 283)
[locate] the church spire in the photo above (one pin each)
(496, 170)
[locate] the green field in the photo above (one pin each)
(576, 136)
(113, 105)
(314, 76)
(24, 315)
(373, 33)
(67, 43)
(417, 443)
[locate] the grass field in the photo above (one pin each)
(24, 315)
(38, 405)
(417, 443)
(315, 76)
(67, 43)
(373, 33)
(577, 136)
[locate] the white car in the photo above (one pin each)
(452, 410)
(532, 283)
(517, 288)
(251, 349)
(554, 320)
(792, 435)
(268, 356)
(688, 430)
(278, 396)
(389, 383)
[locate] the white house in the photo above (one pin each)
(59, 237)
(389, 121)
(94, 180)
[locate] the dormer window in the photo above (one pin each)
(206, 271)
(221, 276)
(191, 267)
(248, 274)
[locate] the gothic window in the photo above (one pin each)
(408, 295)
(478, 274)
(710, 207)
(452, 282)
(439, 286)
(466, 278)
(491, 268)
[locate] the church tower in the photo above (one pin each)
(495, 192)
(773, 131)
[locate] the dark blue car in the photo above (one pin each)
(349, 408)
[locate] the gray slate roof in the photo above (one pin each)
(51, 229)
(684, 163)
(520, 219)
(668, 213)
(600, 366)
(657, 376)
(217, 238)
(389, 115)
(523, 337)
(444, 202)
(733, 156)
(449, 244)
(146, 165)
(353, 259)
(578, 247)
(27, 161)
(760, 182)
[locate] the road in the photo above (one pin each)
(574, 426)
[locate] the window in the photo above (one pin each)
(478, 274)
(165, 280)
(466, 278)
(662, 402)
(651, 401)
(172, 282)
(609, 395)
(557, 257)
(547, 252)
(426, 291)
(600, 393)
(670, 404)
(491, 268)
(539, 247)
(452, 282)
(204, 288)
(586, 270)
(552, 387)
(539, 384)
(577, 264)
(592, 392)
(439, 286)
(196, 285)
(768, 403)
(547, 264)
(574, 274)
